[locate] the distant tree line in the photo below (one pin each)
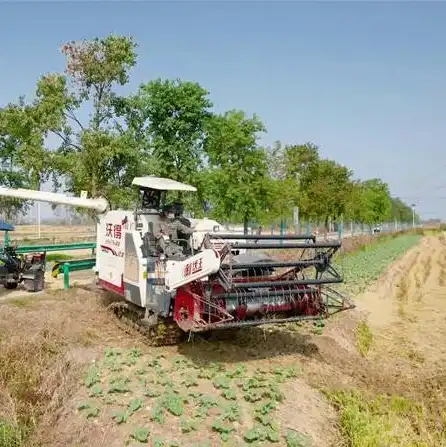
(167, 128)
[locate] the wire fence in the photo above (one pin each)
(346, 229)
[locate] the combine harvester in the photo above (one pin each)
(212, 281)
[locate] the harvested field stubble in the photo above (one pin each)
(42, 347)
(394, 396)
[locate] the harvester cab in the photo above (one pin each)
(174, 275)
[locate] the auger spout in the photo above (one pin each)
(99, 205)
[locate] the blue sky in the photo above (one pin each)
(363, 80)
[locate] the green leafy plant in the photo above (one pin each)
(119, 385)
(96, 390)
(90, 410)
(174, 404)
(230, 394)
(224, 430)
(158, 414)
(132, 357)
(188, 425)
(296, 439)
(92, 376)
(141, 434)
(261, 434)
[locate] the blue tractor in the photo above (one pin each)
(16, 269)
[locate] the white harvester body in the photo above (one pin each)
(187, 271)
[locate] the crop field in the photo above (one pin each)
(368, 264)
(371, 377)
(53, 233)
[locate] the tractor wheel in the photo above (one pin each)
(11, 285)
(37, 284)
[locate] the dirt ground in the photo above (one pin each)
(392, 344)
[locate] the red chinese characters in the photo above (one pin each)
(193, 267)
(114, 231)
(117, 231)
(187, 269)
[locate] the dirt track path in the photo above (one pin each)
(407, 308)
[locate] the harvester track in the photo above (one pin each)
(129, 316)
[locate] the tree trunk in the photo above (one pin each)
(326, 224)
(93, 185)
(245, 225)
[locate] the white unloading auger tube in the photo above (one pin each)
(99, 205)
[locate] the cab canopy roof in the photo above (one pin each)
(162, 184)
(206, 225)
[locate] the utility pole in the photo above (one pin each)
(413, 217)
(38, 220)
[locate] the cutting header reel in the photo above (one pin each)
(256, 288)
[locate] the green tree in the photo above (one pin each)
(283, 184)
(355, 208)
(376, 201)
(290, 161)
(326, 188)
(298, 158)
(402, 212)
(92, 156)
(168, 118)
(11, 175)
(25, 161)
(238, 180)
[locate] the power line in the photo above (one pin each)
(429, 176)
(421, 197)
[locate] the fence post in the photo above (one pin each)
(66, 275)
(282, 230)
(308, 230)
(340, 229)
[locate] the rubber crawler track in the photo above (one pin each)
(165, 333)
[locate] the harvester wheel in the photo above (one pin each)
(37, 284)
(164, 333)
(11, 285)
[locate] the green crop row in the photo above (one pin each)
(360, 269)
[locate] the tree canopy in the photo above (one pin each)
(167, 128)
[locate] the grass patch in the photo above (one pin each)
(26, 301)
(10, 434)
(375, 421)
(24, 366)
(51, 257)
(364, 338)
(402, 294)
